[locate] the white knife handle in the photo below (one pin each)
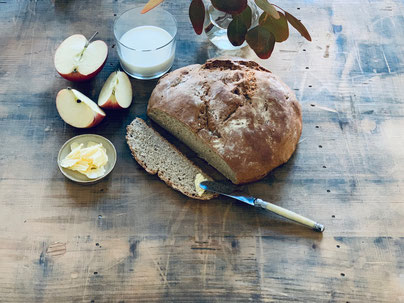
(289, 214)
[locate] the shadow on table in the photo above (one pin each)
(248, 221)
(237, 218)
(89, 195)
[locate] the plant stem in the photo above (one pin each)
(85, 46)
(91, 38)
(277, 7)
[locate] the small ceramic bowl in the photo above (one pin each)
(78, 177)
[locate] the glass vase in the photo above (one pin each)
(216, 23)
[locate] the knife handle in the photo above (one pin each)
(289, 214)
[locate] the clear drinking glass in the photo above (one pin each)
(146, 42)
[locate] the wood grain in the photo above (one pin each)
(131, 238)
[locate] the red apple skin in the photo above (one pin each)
(97, 120)
(110, 104)
(97, 117)
(77, 77)
(125, 90)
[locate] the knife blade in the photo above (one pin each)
(226, 189)
(229, 191)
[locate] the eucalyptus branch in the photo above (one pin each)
(272, 27)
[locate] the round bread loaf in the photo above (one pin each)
(235, 114)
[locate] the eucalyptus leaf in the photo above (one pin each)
(261, 40)
(246, 16)
(230, 6)
(298, 25)
(267, 7)
(237, 30)
(150, 5)
(278, 27)
(197, 15)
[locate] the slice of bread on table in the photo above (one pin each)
(157, 156)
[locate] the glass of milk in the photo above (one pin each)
(146, 42)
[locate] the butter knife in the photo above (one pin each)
(229, 191)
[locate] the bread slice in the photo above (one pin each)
(157, 156)
(193, 141)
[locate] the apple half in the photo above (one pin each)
(78, 110)
(78, 60)
(116, 92)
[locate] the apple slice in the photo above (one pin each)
(116, 92)
(76, 59)
(78, 110)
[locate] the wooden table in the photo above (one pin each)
(132, 238)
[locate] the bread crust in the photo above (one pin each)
(244, 113)
(205, 196)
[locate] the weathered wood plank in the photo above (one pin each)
(131, 238)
